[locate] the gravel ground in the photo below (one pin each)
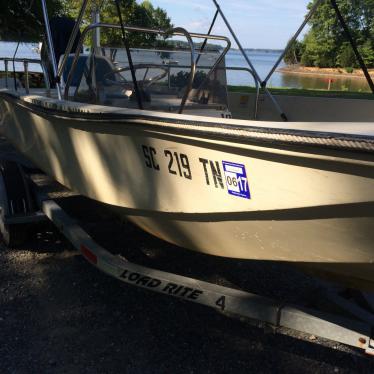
(60, 315)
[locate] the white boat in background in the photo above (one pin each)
(183, 163)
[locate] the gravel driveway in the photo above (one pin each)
(60, 315)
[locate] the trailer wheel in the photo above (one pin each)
(15, 201)
(13, 235)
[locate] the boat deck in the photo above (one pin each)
(159, 102)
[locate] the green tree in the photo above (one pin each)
(367, 52)
(326, 45)
(22, 20)
(294, 53)
(133, 14)
(346, 56)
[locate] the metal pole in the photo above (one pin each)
(268, 93)
(169, 77)
(46, 79)
(206, 40)
(96, 34)
(26, 71)
(129, 58)
(51, 48)
(14, 67)
(353, 44)
(179, 32)
(72, 38)
(6, 73)
(301, 28)
(193, 66)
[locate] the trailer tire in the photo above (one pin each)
(13, 235)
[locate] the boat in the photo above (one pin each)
(247, 176)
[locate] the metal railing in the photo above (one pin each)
(176, 31)
(26, 62)
(51, 48)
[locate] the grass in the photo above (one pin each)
(306, 92)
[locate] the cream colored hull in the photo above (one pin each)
(310, 206)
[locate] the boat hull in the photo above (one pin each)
(226, 196)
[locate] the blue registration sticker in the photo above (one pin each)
(236, 179)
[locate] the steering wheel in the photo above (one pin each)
(144, 83)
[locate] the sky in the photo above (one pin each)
(257, 23)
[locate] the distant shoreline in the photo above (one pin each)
(261, 50)
(324, 72)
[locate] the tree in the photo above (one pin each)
(22, 20)
(326, 45)
(133, 14)
(294, 53)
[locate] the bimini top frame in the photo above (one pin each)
(176, 31)
(263, 83)
(51, 49)
(58, 71)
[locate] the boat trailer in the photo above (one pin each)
(23, 202)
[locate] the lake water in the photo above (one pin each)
(25, 50)
(262, 61)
